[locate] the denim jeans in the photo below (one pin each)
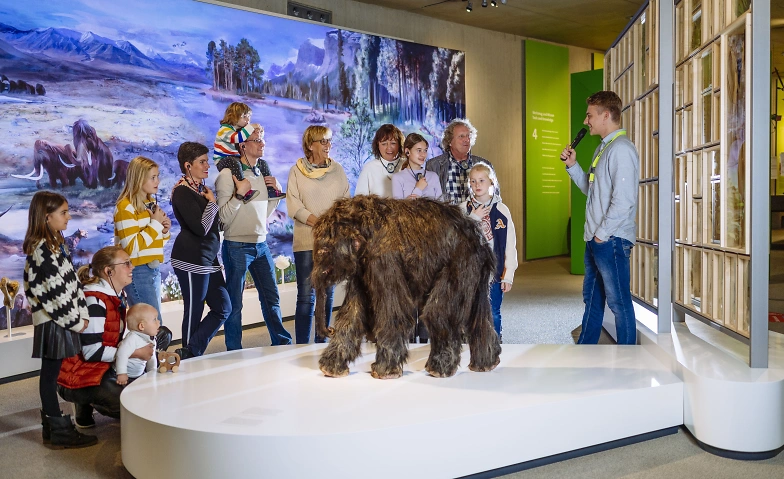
(196, 289)
(145, 288)
(607, 278)
(238, 258)
(306, 299)
(496, 296)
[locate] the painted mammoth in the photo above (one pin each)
(400, 257)
(93, 156)
(59, 163)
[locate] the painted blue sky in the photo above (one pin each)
(174, 26)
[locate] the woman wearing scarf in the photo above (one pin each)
(315, 183)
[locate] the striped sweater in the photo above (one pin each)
(52, 289)
(93, 348)
(226, 140)
(140, 236)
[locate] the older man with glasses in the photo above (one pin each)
(245, 241)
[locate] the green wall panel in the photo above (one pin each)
(584, 84)
(547, 131)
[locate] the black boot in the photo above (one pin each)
(84, 416)
(163, 339)
(64, 435)
(184, 353)
(45, 431)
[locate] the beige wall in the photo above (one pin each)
(493, 78)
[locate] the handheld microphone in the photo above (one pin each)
(578, 138)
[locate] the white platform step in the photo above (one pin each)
(269, 412)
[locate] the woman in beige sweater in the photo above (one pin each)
(315, 182)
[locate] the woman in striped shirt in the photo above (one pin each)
(194, 255)
(141, 228)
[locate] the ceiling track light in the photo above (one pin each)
(493, 3)
(469, 7)
(484, 3)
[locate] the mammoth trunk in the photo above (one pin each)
(321, 314)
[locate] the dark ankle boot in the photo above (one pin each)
(84, 416)
(163, 339)
(64, 435)
(45, 431)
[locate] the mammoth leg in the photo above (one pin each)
(392, 309)
(345, 343)
(443, 314)
(483, 341)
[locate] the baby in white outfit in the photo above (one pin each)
(143, 325)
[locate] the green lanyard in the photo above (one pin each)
(596, 160)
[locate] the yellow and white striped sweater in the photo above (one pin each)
(140, 237)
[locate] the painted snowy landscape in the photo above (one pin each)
(85, 86)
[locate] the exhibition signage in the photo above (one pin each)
(584, 84)
(547, 132)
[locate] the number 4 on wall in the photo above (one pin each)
(534, 134)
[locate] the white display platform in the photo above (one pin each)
(727, 405)
(15, 353)
(269, 412)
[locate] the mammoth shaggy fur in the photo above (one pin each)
(400, 257)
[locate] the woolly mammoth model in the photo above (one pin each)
(400, 257)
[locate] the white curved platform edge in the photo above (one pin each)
(269, 412)
(727, 404)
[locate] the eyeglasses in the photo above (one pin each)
(126, 263)
(260, 140)
(324, 141)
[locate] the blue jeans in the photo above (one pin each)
(496, 296)
(607, 279)
(238, 258)
(145, 288)
(196, 289)
(306, 299)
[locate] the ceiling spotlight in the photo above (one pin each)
(296, 11)
(322, 18)
(503, 1)
(493, 3)
(470, 6)
(484, 3)
(310, 15)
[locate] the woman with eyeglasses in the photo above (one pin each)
(87, 379)
(141, 228)
(315, 182)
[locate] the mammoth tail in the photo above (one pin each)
(321, 314)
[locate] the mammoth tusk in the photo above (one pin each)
(114, 173)
(40, 174)
(89, 157)
(67, 165)
(24, 177)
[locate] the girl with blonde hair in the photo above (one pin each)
(141, 228)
